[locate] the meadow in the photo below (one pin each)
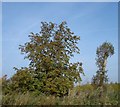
(79, 95)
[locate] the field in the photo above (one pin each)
(79, 95)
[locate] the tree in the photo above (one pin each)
(4, 84)
(24, 81)
(49, 52)
(103, 52)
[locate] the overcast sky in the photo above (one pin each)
(95, 23)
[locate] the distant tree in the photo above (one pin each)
(49, 52)
(103, 52)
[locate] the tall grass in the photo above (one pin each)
(80, 95)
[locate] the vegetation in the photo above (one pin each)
(99, 81)
(50, 70)
(50, 77)
(103, 52)
(87, 96)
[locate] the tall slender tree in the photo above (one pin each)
(103, 52)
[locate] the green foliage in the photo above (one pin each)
(24, 81)
(103, 52)
(21, 82)
(88, 96)
(6, 85)
(49, 53)
(49, 79)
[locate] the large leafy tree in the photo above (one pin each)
(49, 52)
(103, 52)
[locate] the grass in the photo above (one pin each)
(80, 95)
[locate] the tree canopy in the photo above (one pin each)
(49, 51)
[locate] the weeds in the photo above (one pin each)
(80, 95)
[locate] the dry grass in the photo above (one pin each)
(86, 96)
